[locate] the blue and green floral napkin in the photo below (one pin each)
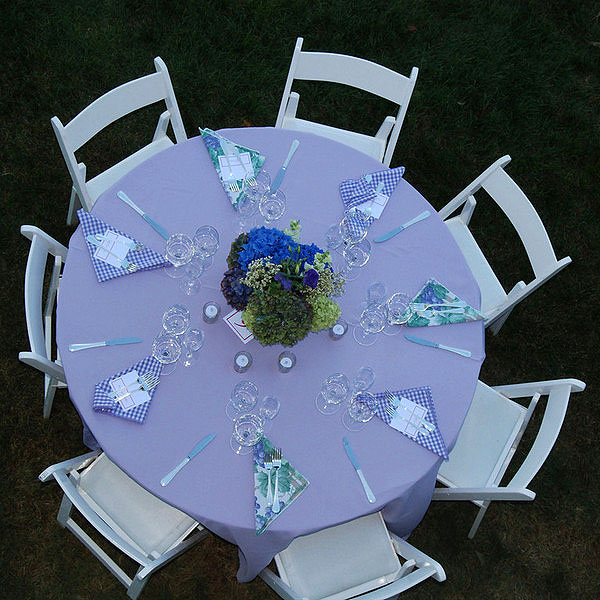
(291, 484)
(214, 143)
(447, 307)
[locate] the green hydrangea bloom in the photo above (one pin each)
(325, 312)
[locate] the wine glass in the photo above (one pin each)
(360, 411)
(179, 251)
(190, 282)
(372, 321)
(256, 185)
(272, 205)
(192, 341)
(248, 429)
(243, 399)
(176, 319)
(354, 226)
(364, 379)
(268, 409)
(247, 207)
(356, 256)
(376, 293)
(167, 350)
(333, 237)
(206, 243)
(396, 306)
(334, 390)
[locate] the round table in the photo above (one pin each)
(180, 189)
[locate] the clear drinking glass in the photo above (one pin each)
(268, 408)
(176, 319)
(354, 226)
(247, 431)
(179, 251)
(364, 379)
(356, 256)
(360, 411)
(255, 186)
(190, 282)
(193, 340)
(333, 237)
(395, 306)
(247, 207)
(206, 242)
(334, 390)
(243, 399)
(167, 350)
(372, 321)
(272, 206)
(376, 293)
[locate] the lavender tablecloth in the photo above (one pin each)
(181, 190)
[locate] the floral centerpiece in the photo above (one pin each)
(283, 287)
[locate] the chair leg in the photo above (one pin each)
(74, 206)
(49, 397)
(137, 585)
(478, 520)
(64, 512)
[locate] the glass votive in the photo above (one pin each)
(242, 361)
(338, 330)
(286, 361)
(211, 312)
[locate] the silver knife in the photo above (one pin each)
(393, 232)
(417, 340)
(195, 450)
(123, 196)
(352, 457)
(117, 342)
(279, 177)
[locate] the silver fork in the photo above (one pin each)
(147, 382)
(276, 466)
(269, 466)
(392, 412)
(234, 187)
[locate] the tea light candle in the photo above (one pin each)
(210, 312)
(287, 360)
(338, 330)
(242, 361)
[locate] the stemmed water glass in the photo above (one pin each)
(179, 251)
(396, 306)
(364, 379)
(272, 206)
(206, 243)
(360, 411)
(243, 399)
(376, 293)
(176, 319)
(334, 391)
(254, 188)
(268, 409)
(248, 429)
(356, 256)
(192, 341)
(190, 282)
(372, 320)
(167, 350)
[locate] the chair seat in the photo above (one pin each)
(108, 178)
(144, 520)
(492, 292)
(487, 434)
(340, 562)
(367, 144)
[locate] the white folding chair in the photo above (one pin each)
(102, 112)
(39, 314)
(489, 438)
(145, 528)
(358, 73)
(496, 304)
(356, 559)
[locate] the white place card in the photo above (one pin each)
(409, 417)
(234, 167)
(122, 385)
(114, 248)
(375, 207)
(236, 324)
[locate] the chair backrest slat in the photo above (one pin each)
(112, 106)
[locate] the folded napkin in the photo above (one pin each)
(291, 485)
(421, 396)
(219, 146)
(355, 192)
(433, 292)
(145, 259)
(104, 403)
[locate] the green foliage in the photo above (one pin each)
(236, 246)
(325, 312)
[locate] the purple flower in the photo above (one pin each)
(285, 282)
(311, 278)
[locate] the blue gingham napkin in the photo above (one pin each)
(145, 259)
(421, 396)
(355, 192)
(104, 403)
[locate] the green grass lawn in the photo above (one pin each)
(496, 77)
